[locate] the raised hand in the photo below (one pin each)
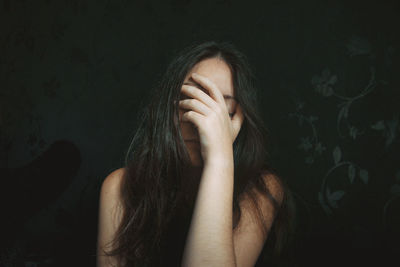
(217, 131)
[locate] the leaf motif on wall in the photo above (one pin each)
(315, 80)
(334, 197)
(337, 195)
(358, 46)
(324, 206)
(351, 173)
(389, 129)
(337, 155)
(344, 110)
(380, 125)
(326, 91)
(364, 176)
(343, 113)
(319, 148)
(309, 160)
(392, 130)
(324, 84)
(305, 143)
(353, 132)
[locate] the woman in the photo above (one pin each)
(196, 189)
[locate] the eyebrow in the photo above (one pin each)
(192, 82)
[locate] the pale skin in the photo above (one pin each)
(210, 239)
(210, 116)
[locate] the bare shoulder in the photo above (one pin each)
(112, 182)
(110, 214)
(110, 195)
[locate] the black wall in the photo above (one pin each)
(74, 75)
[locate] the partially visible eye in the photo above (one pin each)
(231, 114)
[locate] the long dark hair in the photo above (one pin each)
(156, 187)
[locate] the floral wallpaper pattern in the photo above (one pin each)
(74, 75)
(325, 85)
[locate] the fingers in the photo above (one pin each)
(198, 94)
(193, 117)
(195, 105)
(200, 104)
(210, 86)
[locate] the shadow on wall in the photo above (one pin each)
(25, 190)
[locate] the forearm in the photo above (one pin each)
(210, 241)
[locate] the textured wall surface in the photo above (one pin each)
(74, 75)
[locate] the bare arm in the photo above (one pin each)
(211, 241)
(210, 238)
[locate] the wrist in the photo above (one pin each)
(220, 159)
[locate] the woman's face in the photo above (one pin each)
(220, 74)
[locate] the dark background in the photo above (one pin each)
(75, 74)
